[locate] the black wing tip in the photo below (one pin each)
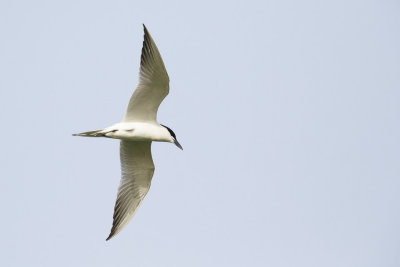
(146, 38)
(110, 236)
(146, 31)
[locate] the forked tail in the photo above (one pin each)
(96, 133)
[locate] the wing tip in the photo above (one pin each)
(111, 235)
(146, 31)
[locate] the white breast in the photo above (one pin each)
(138, 131)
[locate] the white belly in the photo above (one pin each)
(138, 131)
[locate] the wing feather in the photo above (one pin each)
(153, 84)
(137, 169)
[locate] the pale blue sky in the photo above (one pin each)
(288, 112)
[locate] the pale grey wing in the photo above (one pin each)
(137, 169)
(153, 84)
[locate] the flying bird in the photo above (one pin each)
(136, 132)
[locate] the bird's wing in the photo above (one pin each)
(153, 84)
(137, 169)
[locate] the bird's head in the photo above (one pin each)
(173, 137)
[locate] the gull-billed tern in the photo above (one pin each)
(136, 132)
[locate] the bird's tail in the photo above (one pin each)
(96, 133)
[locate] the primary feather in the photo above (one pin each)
(153, 84)
(137, 169)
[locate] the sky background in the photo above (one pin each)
(288, 112)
